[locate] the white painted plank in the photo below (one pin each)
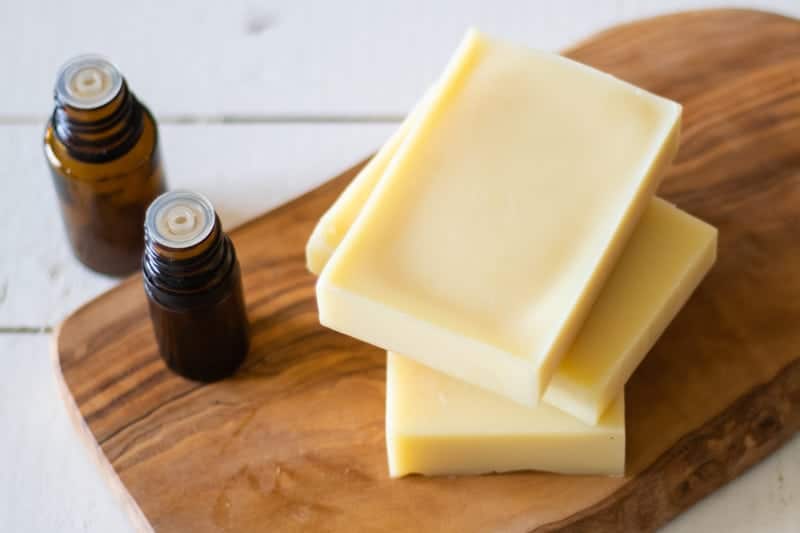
(244, 169)
(48, 479)
(264, 57)
(283, 57)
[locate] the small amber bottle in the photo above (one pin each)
(101, 145)
(194, 287)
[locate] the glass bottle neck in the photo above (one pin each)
(101, 134)
(191, 276)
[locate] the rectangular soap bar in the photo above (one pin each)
(665, 259)
(438, 425)
(667, 256)
(488, 238)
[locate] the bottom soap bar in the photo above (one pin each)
(437, 425)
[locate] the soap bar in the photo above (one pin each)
(438, 425)
(488, 238)
(665, 259)
(668, 255)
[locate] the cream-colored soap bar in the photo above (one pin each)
(492, 230)
(438, 425)
(665, 259)
(668, 255)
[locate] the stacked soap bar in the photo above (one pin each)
(507, 239)
(436, 424)
(487, 239)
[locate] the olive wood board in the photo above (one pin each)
(295, 440)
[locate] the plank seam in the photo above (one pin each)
(26, 330)
(249, 118)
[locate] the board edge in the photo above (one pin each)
(693, 488)
(580, 43)
(136, 516)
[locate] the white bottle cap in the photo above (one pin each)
(179, 219)
(88, 82)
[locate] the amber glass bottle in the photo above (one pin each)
(101, 145)
(194, 287)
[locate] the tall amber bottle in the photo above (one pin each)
(101, 145)
(194, 288)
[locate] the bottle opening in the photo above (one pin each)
(88, 82)
(179, 219)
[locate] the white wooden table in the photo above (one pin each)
(258, 101)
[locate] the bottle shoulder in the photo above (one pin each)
(143, 153)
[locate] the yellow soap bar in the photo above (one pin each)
(666, 258)
(438, 425)
(488, 238)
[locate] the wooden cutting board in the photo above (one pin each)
(295, 440)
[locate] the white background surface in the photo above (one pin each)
(258, 102)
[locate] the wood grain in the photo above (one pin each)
(295, 440)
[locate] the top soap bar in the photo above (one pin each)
(485, 243)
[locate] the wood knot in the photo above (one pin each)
(699, 482)
(766, 425)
